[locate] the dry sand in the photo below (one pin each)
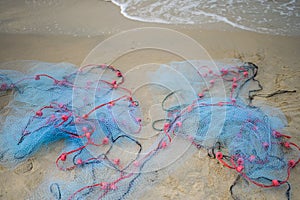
(200, 177)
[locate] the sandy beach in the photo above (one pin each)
(198, 178)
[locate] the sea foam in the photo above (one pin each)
(272, 17)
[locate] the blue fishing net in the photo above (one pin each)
(101, 122)
(243, 137)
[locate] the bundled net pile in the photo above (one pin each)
(90, 114)
(100, 121)
(222, 119)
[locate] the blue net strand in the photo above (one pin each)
(105, 154)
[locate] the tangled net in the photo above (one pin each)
(100, 121)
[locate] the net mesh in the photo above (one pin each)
(222, 117)
(105, 155)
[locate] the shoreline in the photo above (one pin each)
(70, 18)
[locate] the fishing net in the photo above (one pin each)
(222, 119)
(102, 124)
